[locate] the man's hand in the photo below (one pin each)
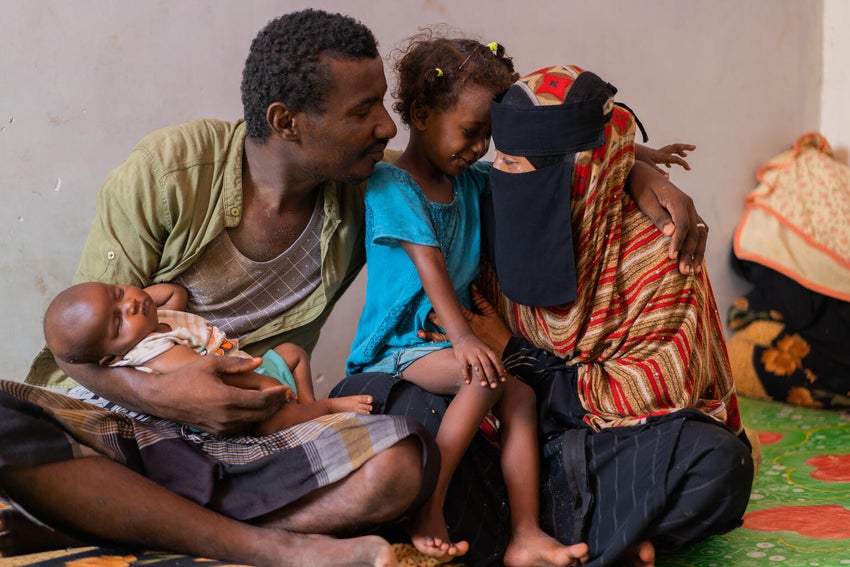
(196, 395)
(673, 213)
(193, 394)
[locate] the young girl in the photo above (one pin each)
(423, 241)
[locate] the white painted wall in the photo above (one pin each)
(81, 82)
(835, 95)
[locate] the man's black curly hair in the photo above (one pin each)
(283, 64)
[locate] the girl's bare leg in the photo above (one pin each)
(110, 502)
(440, 373)
(529, 544)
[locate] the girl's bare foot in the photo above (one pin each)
(539, 549)
(310, 550)
(430, 535)
(353, 404)
(641, 555)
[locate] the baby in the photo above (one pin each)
(148, 329)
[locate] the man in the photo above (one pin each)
(218, 207)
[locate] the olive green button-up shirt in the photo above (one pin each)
(179, 188)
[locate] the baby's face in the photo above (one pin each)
(122, 316)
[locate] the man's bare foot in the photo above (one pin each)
(19, 535)
(354, 404)
(301, 550)
(539, 549)
(641, 555)
(430, 535)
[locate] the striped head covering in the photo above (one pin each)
(647, 339)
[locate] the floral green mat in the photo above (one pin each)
(799, 512)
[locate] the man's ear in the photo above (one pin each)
(419, 116)
(282, 120)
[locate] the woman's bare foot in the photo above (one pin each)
(539, 549)
(641, 555)
(301, 550)
(354, 404)
(430, 535)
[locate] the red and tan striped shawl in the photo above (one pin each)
(647, 339)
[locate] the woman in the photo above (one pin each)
(642, 442)
(642, 357)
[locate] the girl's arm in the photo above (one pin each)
(669, 155)
(473, 355)
(168, 296)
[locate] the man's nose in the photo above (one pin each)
(386, 128)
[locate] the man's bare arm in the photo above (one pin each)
(673, 213)
(194, 395)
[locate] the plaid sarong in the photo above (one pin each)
(647, 339)
(240, 476)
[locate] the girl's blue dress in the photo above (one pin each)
(396, 305)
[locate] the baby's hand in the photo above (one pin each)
(478, 361)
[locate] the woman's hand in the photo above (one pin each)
(485, 322)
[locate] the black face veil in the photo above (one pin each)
(527, 221)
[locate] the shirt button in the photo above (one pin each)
(110, 255)
(234, 211)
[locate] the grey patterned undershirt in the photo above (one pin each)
(239, 295)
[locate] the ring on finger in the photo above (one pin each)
(702, 225)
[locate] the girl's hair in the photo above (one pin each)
(432, 71)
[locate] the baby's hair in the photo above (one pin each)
(432, 70)
(67, 336)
